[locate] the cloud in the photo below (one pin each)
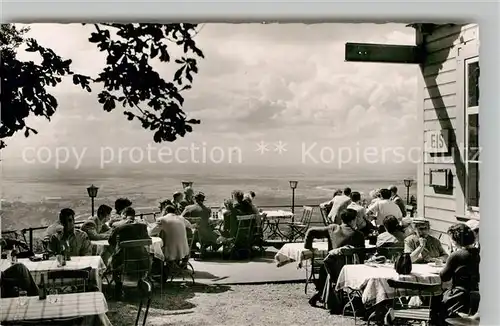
(285, 81)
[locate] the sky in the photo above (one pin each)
(258, 83)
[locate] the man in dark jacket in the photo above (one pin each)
(398, 200)
(338, 236)
(142, 262)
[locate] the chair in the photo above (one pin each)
(258, 240)
(314, 268)
(69, 281)
(146, 293)
(400, 311)
(324, 215)
(242, 242)
(180, 268)
(299, 229)
(390, 252)
(353, 256)
(133, 266)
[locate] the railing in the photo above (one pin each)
(316, 219)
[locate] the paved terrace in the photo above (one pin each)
(231, 293)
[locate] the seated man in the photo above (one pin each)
(422, 247)
(96, 227)
(393, 236)
(128, 217)
(208, 237)
(75, 241)
(126, 232)
(120, 205)
(338, 236)
(16, 278)
(174, 236)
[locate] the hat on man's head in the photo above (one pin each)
(421, 222)
(177, 193)
(473, 225)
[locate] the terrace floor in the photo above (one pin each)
(243, 293)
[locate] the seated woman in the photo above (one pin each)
(462, 269)
(422, 247)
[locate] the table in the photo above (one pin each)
(39, 268)
(272, 219)
(67, 306)
(156, 247)
(291, 252)
(372, 280)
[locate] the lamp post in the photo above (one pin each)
(408, 183)
(92, 191)
(186, 184)
(293, 185)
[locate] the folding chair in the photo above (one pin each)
(299, 229)
(242, 242)
(401, 311)
(146, 293)
(390, 252)
(324, 216)
(69, 281)
(314, 268)
(133, 266)
(353, 256)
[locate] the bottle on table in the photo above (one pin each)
(42, 294)
(67, 256)
(13, 256)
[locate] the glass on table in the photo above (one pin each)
(53, 296)
(22, 298)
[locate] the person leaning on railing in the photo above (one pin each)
(96, 227)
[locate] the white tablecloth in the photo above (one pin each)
(42, 267)
(156, 248)
(372, 281)
(291, 252)
(295, 252)
(280, 214)
(66, 306)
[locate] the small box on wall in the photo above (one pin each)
(440, 178)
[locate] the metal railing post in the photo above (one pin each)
(31, 239)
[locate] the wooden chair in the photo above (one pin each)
(146, 293)
(69, 281)
(242, 242)
(299, 229)
(401, 311)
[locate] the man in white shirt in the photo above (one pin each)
(383, 208)
(361, 211)
(339, 204)
(174, 236)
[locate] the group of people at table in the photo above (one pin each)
(352, 223)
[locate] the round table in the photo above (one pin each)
(156, 247)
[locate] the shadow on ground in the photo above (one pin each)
(172, 300)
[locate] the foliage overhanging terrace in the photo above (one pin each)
(127, 79)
